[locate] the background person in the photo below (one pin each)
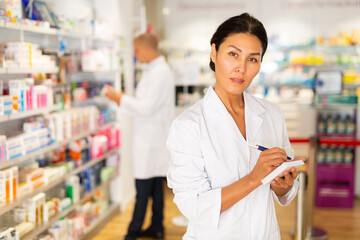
(153, 110)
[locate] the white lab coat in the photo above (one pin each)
(208, 152)
(153, 110)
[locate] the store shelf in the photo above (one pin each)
(73, 207)
(26, 114)
(345, 142)
(96, 72)
(113, 210)
(55, 182)
(49, 148)
(29, 70)
(52, 32)
(34, 29)
(337, 106)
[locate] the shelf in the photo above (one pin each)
(96, 72)
(337, 106)
(49, 148)
(55, 182)
(34, 29)
(52, 31)
(337, 136)
(337, 141)
(28, 70)
(37, 231)
(26, 114)
(335, 165)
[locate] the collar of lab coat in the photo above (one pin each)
(154, 63)
(216, 113)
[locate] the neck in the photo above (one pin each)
(233, 103)
(153, 56)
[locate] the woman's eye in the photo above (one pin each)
(253, 60)
(233, 54)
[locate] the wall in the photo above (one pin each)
(190, 24)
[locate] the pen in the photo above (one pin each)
(261, 148)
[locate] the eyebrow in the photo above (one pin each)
(256, 53)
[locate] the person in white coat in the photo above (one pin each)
(153, 110)
(215, 176)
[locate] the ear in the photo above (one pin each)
(213, 52)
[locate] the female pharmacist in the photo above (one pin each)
(215, 176)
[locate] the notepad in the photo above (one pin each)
(278, 172)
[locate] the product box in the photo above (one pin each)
(8, 104)
(24, 228)
(49, 211)
(14, 178)
(73, 188)
(2, 188)
(24, 188)
(8, 234)
(2, 148)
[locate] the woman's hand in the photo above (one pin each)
(113, 95)
(267, 162)
(281, 185)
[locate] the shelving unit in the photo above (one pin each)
(28, 70)
(49, 38)
(26, 114)
(335, 167)
(49, 148)
(56, 182)
(73, 207)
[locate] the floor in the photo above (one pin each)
(340, 224)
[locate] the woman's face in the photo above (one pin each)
(237, 62)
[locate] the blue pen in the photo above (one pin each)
(261, 148)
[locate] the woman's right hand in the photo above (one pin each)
(267, 162)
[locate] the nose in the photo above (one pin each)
(241, 66)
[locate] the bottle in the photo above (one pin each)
(349, 155)
(350, 124)
(320, 157)
(331, 126)
(339, 154)
(340, 128)
(330, 154)
(321, 124)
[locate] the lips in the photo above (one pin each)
(237, 80)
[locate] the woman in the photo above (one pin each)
(215, 176)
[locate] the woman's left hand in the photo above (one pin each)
(281, 185)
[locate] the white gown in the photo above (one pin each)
(153, 110)
(208, 152)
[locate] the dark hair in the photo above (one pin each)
(243, 23)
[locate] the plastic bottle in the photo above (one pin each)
(350, 124)
(341, 125)
(320, 157)
(321, 125)
(331, 125)
(349, 155)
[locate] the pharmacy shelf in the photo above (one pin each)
(28, 70)
(55, 182)
(49, 148)
(34, 29)
(52, 32)
(72, 208)
(113, 210)
(26, 114)
(112, 71)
